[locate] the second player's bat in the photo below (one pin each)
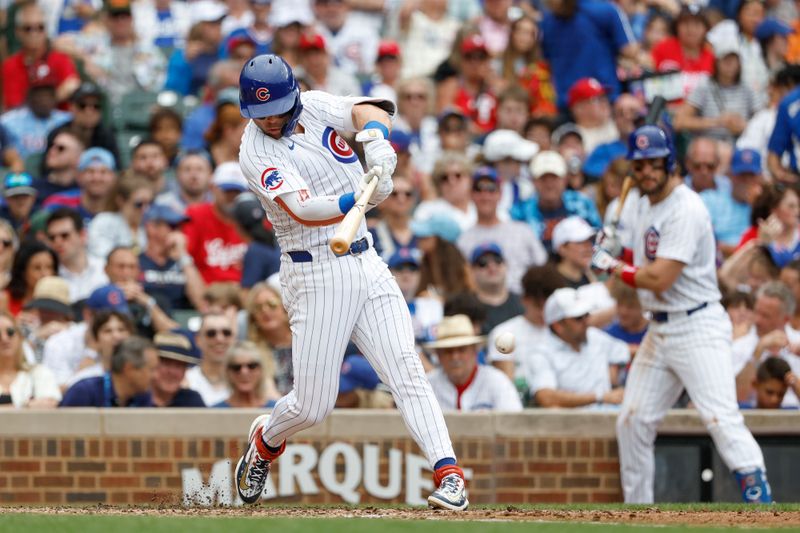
(346, 231)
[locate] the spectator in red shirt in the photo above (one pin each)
(688, 51)
(211, 236)
(35, 60)
(474, 96)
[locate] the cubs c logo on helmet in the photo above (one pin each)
(651, 238)
(262, 94)
(271, 179)
(338, 147)
(642, 142)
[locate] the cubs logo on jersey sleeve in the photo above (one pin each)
(338, 147)
(271, 179)
(651, 237)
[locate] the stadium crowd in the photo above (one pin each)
(137, 269)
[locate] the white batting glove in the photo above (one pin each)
(382, 191)
(608, 240)
(377, 150)
(603, 261)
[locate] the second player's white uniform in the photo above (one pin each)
(685, 350)
(331, 300)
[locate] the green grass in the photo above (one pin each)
(28, 523)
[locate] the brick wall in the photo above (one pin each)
(124, 458)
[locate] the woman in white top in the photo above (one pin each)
(122, 225)
(22, 384)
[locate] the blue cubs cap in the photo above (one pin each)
(437, 225)
(485, 172)
(229, 177)
(771, 27)
(400, 140)
(96, 156)
(108, 298)
(163, 213)
(746, 161)
(18, 183)
(405, 256)
(485, 248)
(357, 374)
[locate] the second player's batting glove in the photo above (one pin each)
(378, 151)
(603, 261)
(608, 240)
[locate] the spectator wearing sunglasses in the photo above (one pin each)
(393, 231)
(267, 327)
(34, 56)
(22, 384)
(86, 107)
(214, 339)
(176, 351)
(60, 165)
(68, 238)
(122, 224)
(251, 383)
(575, 365)
(523, 248)
(489, 269)
(20, 196)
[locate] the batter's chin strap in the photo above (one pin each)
(443, 471)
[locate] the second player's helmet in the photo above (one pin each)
(651, 142)
(267, 87)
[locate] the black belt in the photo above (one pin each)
(663, 316)
(304, 256)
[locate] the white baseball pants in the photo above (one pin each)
(330, 301)
(692, 352)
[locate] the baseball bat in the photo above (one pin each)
(346, 231)
(654, 112)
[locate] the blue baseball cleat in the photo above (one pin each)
(754, 485)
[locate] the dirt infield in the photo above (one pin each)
(650, 516)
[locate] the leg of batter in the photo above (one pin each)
(652, 388)
(385, 336)
(701, 357)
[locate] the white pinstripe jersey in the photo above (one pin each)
(317, 160)
(678, 228)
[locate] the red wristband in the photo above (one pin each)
(627, 256)
(628, 275)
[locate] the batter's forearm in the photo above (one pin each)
(314, 210)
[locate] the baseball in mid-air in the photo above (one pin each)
(505, 342)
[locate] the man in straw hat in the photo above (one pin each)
(176, 352)
(461, 384)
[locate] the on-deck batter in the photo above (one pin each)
(688, 343)
(307, 177)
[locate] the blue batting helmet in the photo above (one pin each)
(267, 87)
(651, 142)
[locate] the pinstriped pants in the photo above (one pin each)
(692, 352)
(329, 302)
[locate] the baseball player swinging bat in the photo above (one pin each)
(348, 227)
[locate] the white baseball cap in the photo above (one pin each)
(229, 177)
(571, 229)
(208, 11)
(548, 162)
(284, 15)
(501, 144)
(565, 303)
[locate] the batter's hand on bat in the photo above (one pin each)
(608, 240)
(602, 260)
(378, 151)
(382, 191)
